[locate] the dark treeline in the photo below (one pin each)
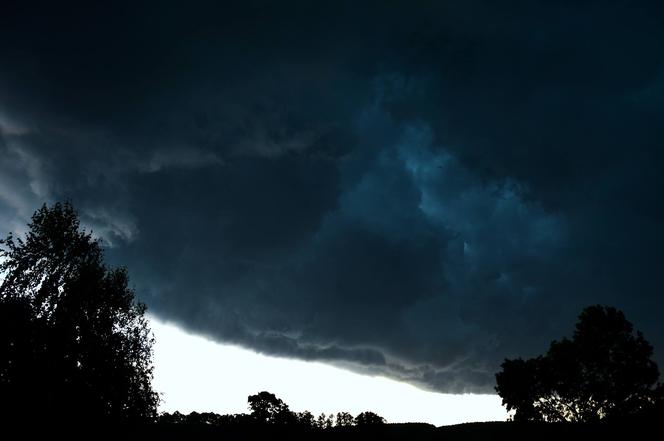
(76, 354)
(268, 411)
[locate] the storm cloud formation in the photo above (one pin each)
(417, 189)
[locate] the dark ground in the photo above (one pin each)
(490, 431)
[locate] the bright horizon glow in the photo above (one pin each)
(193, 373)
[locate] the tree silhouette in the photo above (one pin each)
(344, 419)
(305, 419)
(604, 371)
(368, 419)
(325, 421)
(73, 342)
(267, 408)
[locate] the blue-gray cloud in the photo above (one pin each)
(413, 191)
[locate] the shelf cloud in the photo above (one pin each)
(413, 190)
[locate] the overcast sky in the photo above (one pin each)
(413, 189)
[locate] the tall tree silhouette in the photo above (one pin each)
(74, 342)
(605, 370)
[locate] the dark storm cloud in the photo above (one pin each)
(413, 190)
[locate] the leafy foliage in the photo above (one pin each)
(604, 371)
(344, 419)
(73, 341)
(369, 419)
(325, 421)
(267, 408)
(305, 419)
